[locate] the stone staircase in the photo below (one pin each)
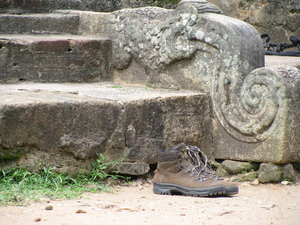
(59, 105)
(51, 48)
(62, 101)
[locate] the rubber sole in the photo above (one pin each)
(173, 189)
(231, 190)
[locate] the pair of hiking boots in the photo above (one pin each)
(185, 170)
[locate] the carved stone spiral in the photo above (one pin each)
(250, 112)
(202, 6)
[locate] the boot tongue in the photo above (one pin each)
(180, 147)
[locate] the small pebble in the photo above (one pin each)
(255, 182)
(49, 207)
(285, 182)
(80, 211)
(37, 220)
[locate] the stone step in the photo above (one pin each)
(44, 6)
(272, 60)
(54, 58)
(52, 23)
(66, 125)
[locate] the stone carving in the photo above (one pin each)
(196, 47)
(202, 6)
(249, 112)
(156, 37)
(252, 112)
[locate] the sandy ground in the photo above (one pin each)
(262, 204)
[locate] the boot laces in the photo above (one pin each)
(201, 167)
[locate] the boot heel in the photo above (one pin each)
(160, 190)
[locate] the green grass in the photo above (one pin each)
(115, 86)
(19, 186)
(118, 87)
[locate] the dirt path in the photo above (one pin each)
(262, 204)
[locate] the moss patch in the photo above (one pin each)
(251, 176)
(10, 154)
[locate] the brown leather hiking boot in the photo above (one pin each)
(185, 170)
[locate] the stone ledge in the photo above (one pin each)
(54, 58)
(68, 124)
(272, 60)
(54, 23)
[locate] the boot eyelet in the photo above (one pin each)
(180, 166)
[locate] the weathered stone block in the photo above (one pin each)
(235, 167)
(54, 59)
(184, 48)
(165, 122)
(73, 126)
(261, 122)
(129, 168)
(55, 23)
(284, 24)
(45, 6)
(50, 46)
(256, 111)
(288, 172)
(67, 125)
(251, 176)
(269, 172)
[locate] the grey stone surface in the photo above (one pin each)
(46, 6)
(273, 60)
(242, 177)
(130, 168)
(235, 167)
(66, 125)
(280, 19)
(288, 172)
(54, 23)
(163, 123)
(221, 172)
(182, 48)
(207, 52)
(54, 58)
(201, 6)
(255, 108)
(262, 14)
(269, 172)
